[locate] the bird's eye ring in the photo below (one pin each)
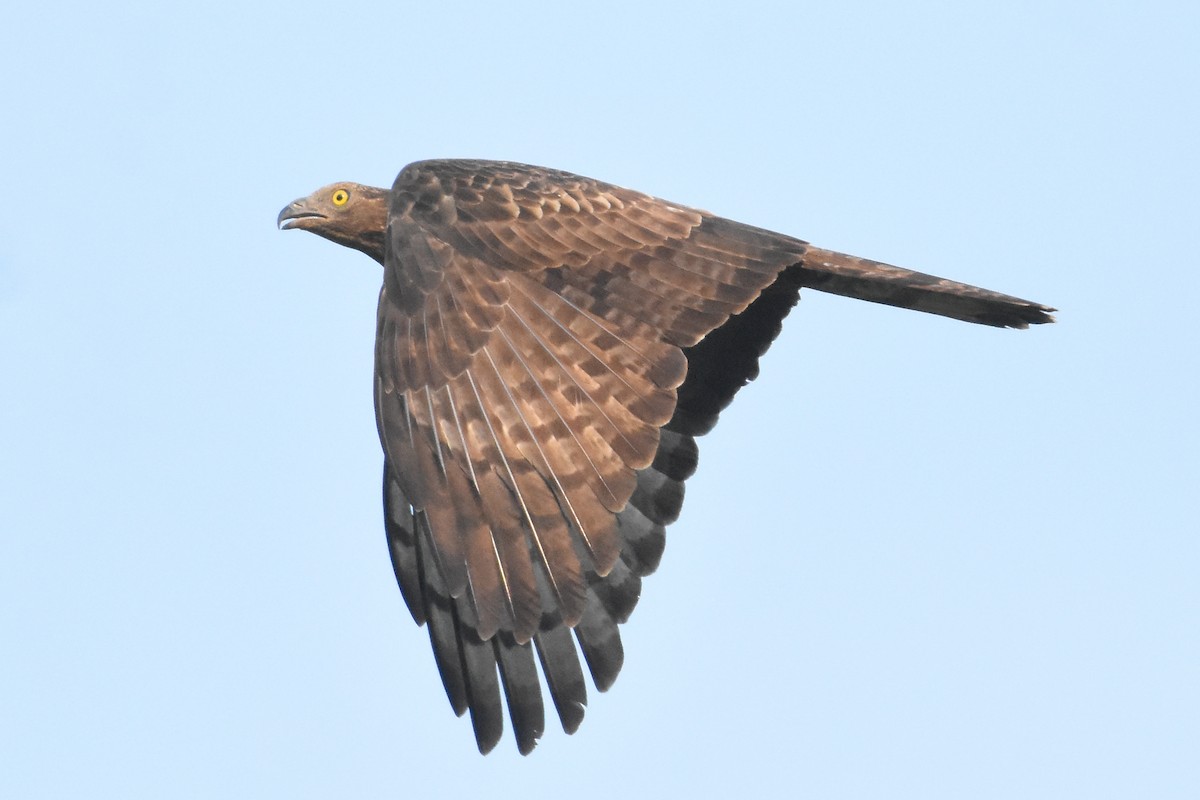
(340, 197)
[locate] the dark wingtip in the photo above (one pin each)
(525, 744)
(1018, 317)
(486, 741)
(571, 716)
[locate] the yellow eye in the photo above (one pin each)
(340, 197)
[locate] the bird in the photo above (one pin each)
(548, 349)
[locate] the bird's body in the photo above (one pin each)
(548, 348)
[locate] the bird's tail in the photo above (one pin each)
(864, 279)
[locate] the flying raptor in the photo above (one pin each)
(548, 349)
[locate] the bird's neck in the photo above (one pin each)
(372, 223)
(369, 241)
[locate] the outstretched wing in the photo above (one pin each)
(548, 348)
(533, 334)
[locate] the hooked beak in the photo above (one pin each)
(298, 215)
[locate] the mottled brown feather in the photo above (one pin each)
(548, 346)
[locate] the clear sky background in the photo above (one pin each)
(921, 559)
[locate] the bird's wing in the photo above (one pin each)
(533, 330)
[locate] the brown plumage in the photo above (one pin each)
(548, 348)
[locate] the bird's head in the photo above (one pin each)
(350, 214)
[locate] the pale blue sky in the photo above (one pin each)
(921, 559)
